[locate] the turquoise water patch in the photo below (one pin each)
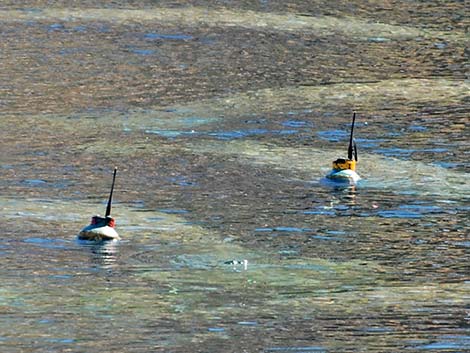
(319, 210)
(155, 36)
(216, 329)
(399, 214)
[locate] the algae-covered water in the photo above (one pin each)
(223, 118)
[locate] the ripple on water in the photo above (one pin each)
(48, 243)
(410, 211)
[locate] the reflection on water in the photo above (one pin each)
(103, 254)
(224, 120)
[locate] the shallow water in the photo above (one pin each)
(223, 119)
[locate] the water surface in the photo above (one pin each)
(223, 119)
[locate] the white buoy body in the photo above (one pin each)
(345, 175)
(100, 229)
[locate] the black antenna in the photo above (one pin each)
(355, 151)
(350, 148)
(108, 208)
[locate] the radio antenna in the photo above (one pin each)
(108, 208)
(351, 140)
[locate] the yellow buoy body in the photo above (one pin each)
(343, 164)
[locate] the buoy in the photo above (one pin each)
(101, 228)
(344, 170)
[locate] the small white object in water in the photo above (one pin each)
(344, 175)
(238, 262)
(100, 229)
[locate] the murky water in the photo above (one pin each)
(223, 118)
